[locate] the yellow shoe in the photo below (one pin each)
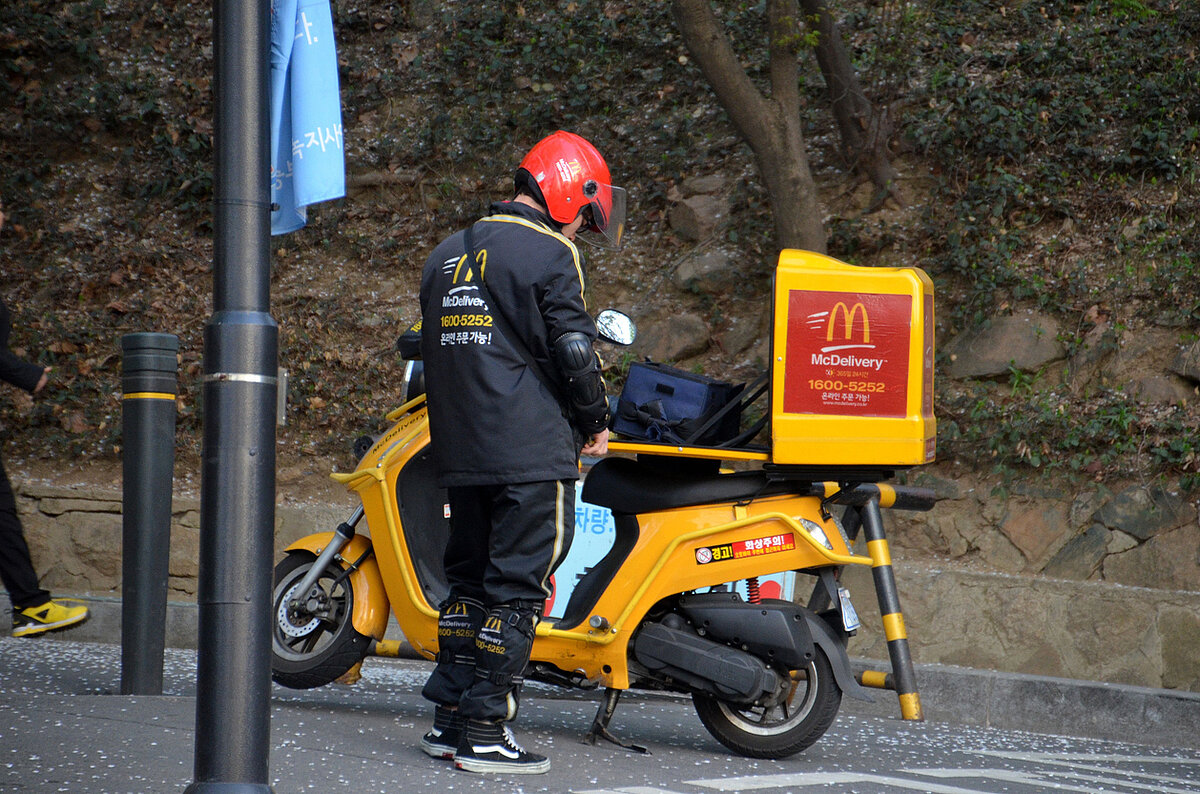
(45, 617)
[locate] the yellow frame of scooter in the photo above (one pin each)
(662, 563)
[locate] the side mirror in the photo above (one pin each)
(616, 327)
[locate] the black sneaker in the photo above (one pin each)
(490, 747)
(447, 732)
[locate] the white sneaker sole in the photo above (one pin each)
(442, 752)
(30, 629)
(483, 766)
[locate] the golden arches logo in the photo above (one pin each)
(568, 170)
(848, 315)
(480, 260)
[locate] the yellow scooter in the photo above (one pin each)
(660, 610)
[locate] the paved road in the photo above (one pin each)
(63, 729)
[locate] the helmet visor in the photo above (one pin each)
(604, 218)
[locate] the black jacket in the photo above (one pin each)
(492, 419)
(13, 370)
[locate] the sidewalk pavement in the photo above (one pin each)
(67, 683)
(64, 728)
(1042, 704)
(956, 695)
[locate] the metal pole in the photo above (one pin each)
(237, 500)
(149, 386)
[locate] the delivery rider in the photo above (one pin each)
(515, 395)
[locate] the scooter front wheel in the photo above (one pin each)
(313, 641)
(807, 708)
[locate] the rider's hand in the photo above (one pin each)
(41, 384)
(597, 444)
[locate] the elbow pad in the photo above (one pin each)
(585, 388)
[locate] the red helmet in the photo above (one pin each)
(568, 175)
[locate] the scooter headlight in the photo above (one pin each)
(818, 534)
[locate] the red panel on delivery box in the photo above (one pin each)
(847, 353)
(852, 364)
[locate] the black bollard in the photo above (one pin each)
(148, 382)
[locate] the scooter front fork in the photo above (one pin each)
(341, 536)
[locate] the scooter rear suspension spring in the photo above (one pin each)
(752, 590)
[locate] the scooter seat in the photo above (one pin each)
(631, 486)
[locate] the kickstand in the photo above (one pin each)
(599, 729)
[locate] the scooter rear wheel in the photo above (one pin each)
(313, 646)
(804, 714)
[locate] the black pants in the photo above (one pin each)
(16, 567)
(505, 542)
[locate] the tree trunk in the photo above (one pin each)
(770, 125)
(864, 131)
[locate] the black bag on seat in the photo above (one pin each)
(662, 403)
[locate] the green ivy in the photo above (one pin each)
(1043, 91)
(1043, 427)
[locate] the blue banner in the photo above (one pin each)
(307, 161)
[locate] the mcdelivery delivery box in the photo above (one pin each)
(852, 375)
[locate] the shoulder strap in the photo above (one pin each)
(755, 389)
(502, 324)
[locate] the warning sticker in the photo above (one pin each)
(739, 550)
(847, 353)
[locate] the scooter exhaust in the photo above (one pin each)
(673, 649)
(719, 642)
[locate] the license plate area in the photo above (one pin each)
(850, 621)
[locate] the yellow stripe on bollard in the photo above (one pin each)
(148, 395)
(910, 707)
(388, 648)
(876, 679)
(893, 627)
(879, 553)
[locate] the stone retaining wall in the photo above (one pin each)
(1037, 625)
(1134, 534)
(74, 536)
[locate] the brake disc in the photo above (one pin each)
(284, 617)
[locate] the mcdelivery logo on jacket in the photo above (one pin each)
(466, 319)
